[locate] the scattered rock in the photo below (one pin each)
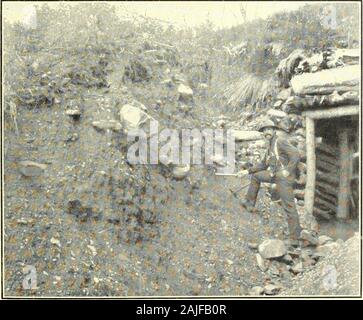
(278, 104)
(297, 268)
(107, 125)
(93, 250)
(24, 221)
(327, 248)
(55, 242)
(252, 245)
(272, 248)
(203, 86)
(272, 289)
(132, 117)
(276, 113)
(31, 169)
(74, 113)
(260, 262)
(309, 237)
(274, 270)
(167, 82)
(256, 291)
(287, 259)
(72, 137)
(124, 90)
(185, 92)
(181, 171)
(185, 108)
(294, 254)
(309, 262)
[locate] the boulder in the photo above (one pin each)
(133, 117)
(272, 248)
(31, 168)
(244, 135)
(185, 92)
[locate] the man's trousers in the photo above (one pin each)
(285, 189)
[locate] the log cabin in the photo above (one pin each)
(329, 102)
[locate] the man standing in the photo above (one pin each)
(279, 166)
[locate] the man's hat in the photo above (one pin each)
(267, 124)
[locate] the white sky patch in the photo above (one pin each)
(181, 13)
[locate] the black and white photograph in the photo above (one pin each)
(181, 149)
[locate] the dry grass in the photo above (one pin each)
(251, 90)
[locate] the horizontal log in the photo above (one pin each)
(326, 196)
(331, 160)
(327, 188)
(329, 150)
(323, 214)
(320, 201)
(333, 112)
(330, 178)
(325, 166)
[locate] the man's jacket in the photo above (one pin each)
(281, 155)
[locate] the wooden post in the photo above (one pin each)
(344, 176)
(310, 166)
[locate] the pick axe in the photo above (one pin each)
(234, 192)
(239, 189)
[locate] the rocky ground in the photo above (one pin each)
(93, 225)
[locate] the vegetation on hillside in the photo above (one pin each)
(71, 45)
